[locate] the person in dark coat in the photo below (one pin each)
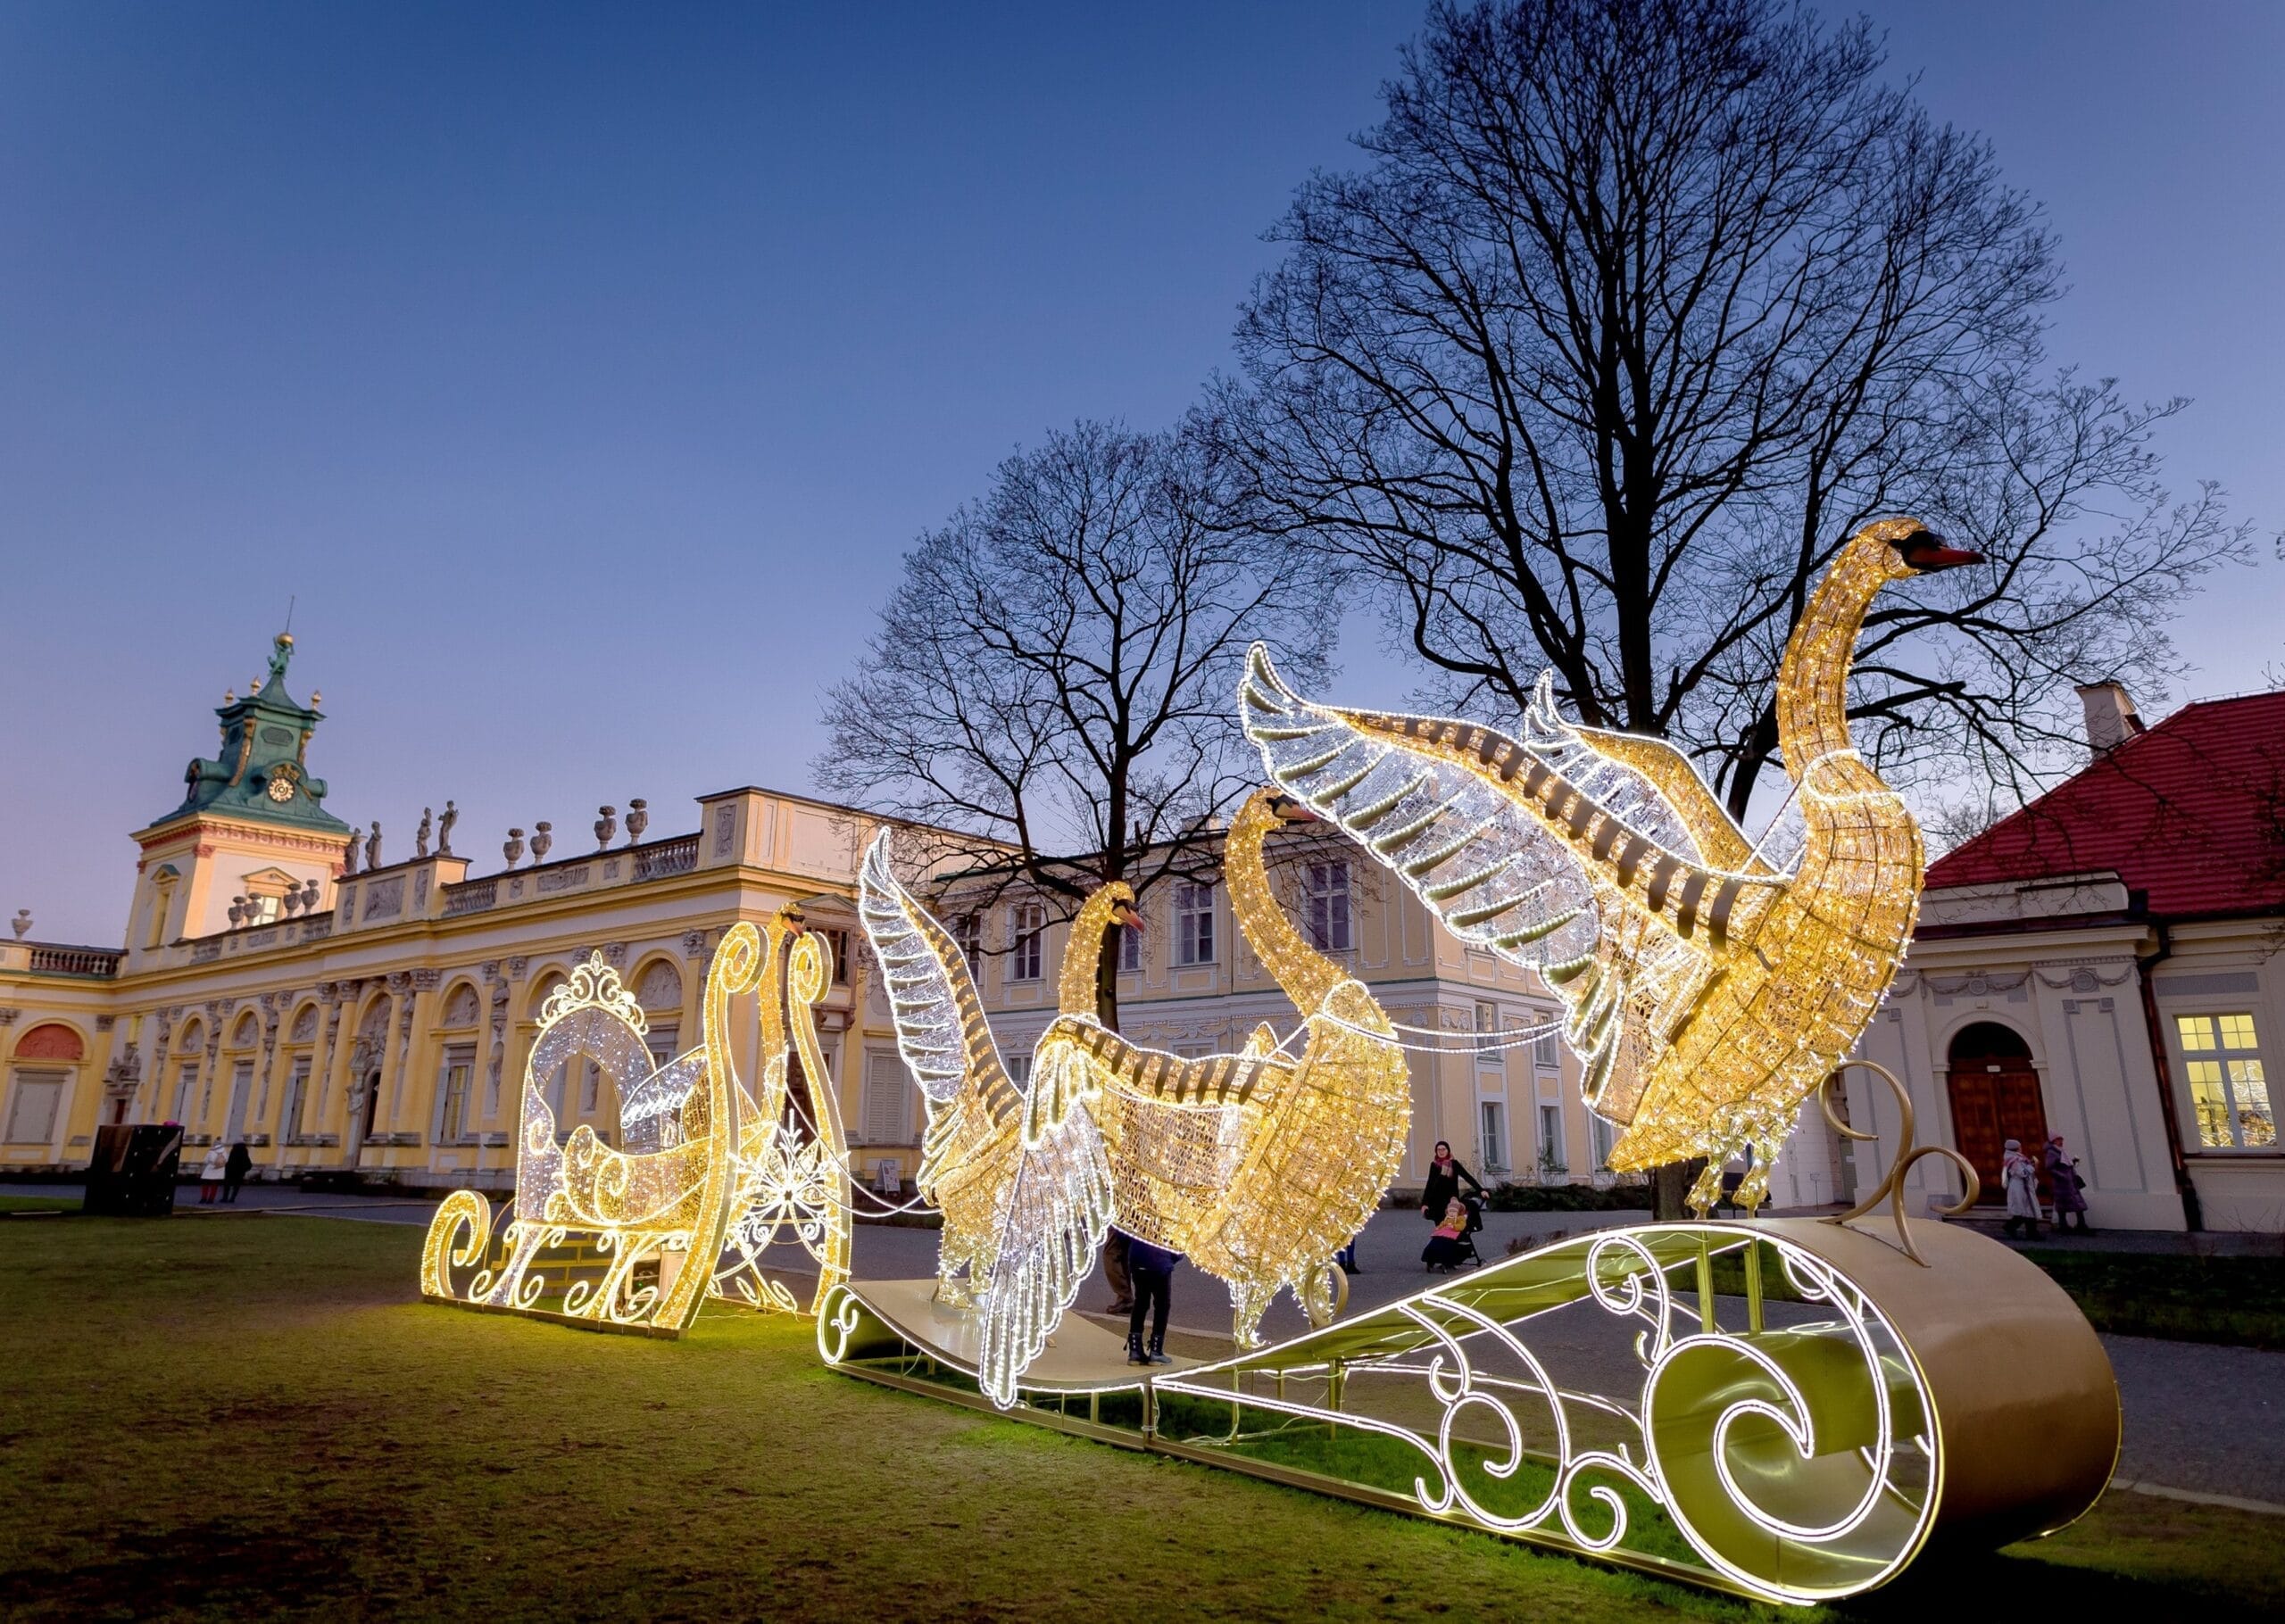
(1445, 1176)
(1151, 1271)
(2062, 1186)
(1122, 1288)
(234, 1169)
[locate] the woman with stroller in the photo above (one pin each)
(1445, 1175)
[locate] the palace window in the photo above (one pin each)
(886, 1092)
(1326, 892)
(32, 1107)
(2221, 1060)
(837, 945)
(298, 1094)
(1493, 1154)
(1130, 950)
(1193, 924)
(968, 933)
(451, 1087)
(1546, 1055)
(1028, 926)
(1550, 1138)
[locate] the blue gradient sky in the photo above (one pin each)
(585, 370)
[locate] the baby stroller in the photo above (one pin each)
(1447, 1253)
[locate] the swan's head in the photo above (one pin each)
(1918, 549)
(1121, 905)
(1285, 810)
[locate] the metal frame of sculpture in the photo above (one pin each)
(1791, 1410)
(709, 1175)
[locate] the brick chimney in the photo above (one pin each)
(2111, 720)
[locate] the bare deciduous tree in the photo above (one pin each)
(1052, 686)
(1639, 310)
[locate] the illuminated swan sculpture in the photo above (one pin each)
(1707, 992)
(1257, 1166)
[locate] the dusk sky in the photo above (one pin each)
(584, 371)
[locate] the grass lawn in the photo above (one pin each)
(2192, 1298)
(255, 1417)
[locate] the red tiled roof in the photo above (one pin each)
(2191, 812)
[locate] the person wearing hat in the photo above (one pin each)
(2019, 1176)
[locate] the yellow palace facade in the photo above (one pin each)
(280, 983)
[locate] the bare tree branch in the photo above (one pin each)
(1052, 684)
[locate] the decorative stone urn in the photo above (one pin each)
(638, 819)
(606, 826)
(512, 848)
(543, 838)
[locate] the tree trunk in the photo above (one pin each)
(1668, 1187)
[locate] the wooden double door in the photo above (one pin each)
(1995, 1097)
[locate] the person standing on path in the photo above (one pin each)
(211, 1172)
(2063, 1187)
(1152, 1269)
(2019, 1176)
(1115, 1274)
(234, 1169)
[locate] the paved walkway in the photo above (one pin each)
(2206, 1420)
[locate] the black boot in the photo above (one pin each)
(1158, 1352)
(1134, 1354)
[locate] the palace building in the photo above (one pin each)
(370, 1020)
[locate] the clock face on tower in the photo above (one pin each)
(281, 787)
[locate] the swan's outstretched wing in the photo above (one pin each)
(1554, 854)
(1056, 1213)
(940, 1026)
(1516, 844)
(1669, 795)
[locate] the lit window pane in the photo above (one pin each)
(2250, 1089)
(2197, 1031)
(2237, 1031)
(2211, 1104)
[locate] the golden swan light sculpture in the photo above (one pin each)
(1707, 992)
(1257, 1165)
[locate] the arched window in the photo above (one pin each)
(461, 1008)
(660, 987)
(51, 1040)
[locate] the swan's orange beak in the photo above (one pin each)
(1125, 914)
(1288, 811)
(1924, 554)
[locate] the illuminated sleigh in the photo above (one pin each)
(709, 1178)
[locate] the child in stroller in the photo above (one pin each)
(1454, 1241)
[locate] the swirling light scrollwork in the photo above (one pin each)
(1794, 1455)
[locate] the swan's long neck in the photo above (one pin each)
(1812, 680)
(1082, 955)
(1306, 975)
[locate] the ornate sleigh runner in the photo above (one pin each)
(711, 1174)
